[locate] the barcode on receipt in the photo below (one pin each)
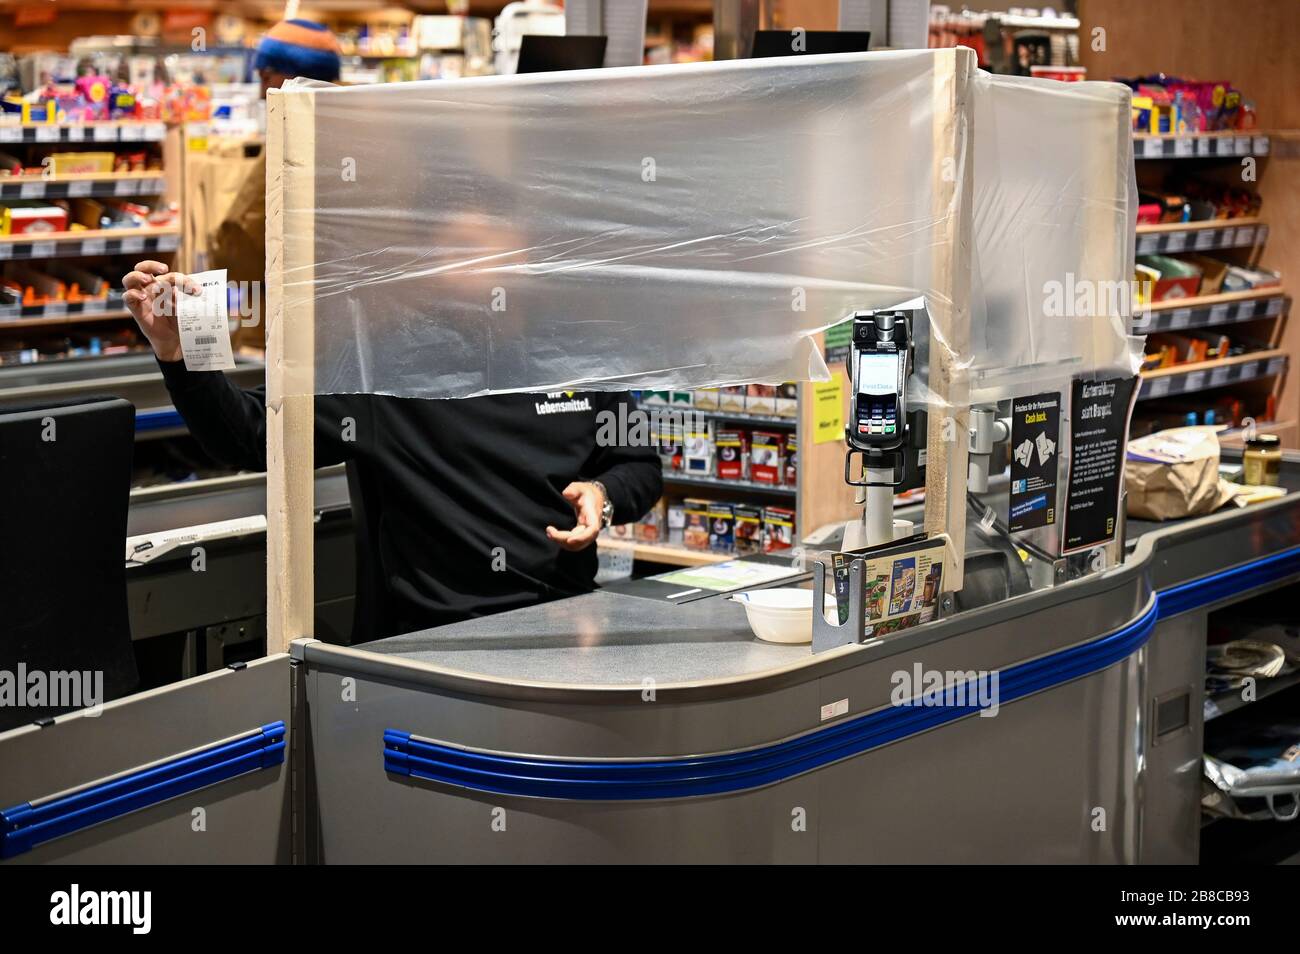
(205, 339)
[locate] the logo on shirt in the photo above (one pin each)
(562, 402)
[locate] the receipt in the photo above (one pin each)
(204, 324)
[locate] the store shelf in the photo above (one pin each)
(93, 185)
(664, 553)
(739, 417)
(1222, 703)
(1211, 310)
(126, 130)
(1200, 145)
(89, 242)
(71, 317)
(1204, 375)
(1174, 237)
(1235, 436)
(677, 477)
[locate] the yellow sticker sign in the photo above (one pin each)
(828, 410)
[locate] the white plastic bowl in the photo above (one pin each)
(781, 614)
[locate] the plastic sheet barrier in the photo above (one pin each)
(697, 225)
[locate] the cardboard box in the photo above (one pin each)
(33, 219)
(1213, 272)
(82, 163)
(1177, 279)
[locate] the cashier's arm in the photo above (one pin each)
(228, 422)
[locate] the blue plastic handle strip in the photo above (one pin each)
(1227, 583)
(25, 826)
(737, 771)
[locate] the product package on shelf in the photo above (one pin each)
(733, 452)
(765, 458)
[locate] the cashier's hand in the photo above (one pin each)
(587, 501)
(150, 296)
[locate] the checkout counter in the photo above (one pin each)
(615, 728)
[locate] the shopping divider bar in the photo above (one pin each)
(25, 826)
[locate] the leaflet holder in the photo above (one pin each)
(829, 635)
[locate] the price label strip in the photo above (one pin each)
(205, 325)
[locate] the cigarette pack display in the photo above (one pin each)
(669, 442)
(681, 398)
(787, 400)
(765, 463)
(778, 529)
(697, 454)
(676, 523)
(622, 531)
(731, 455)
(749, 528)
(652, 528)
(695, 535)
(722, 527)
(761, 399)
(706, 399)
(791, 460)
(654, 397)
(732, 399)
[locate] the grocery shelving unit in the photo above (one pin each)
(106, 251)
(1238, 239)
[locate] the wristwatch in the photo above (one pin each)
(607, 509)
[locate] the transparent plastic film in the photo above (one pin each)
(653, 227)
(684, 226)
(1055, 209)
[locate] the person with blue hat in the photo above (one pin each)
(296, 48)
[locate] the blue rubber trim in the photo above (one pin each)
(1228, 583)
(737, 771)
(25, 826)
(157, 420)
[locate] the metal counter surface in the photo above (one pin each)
(601, 638)
(609, 639)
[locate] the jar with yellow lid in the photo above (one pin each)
(1262, 460)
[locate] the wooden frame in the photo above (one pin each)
(290, 354)
(290, 372)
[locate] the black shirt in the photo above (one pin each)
(466, 488)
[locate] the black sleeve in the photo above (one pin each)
(230, 423)
(632, 475)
